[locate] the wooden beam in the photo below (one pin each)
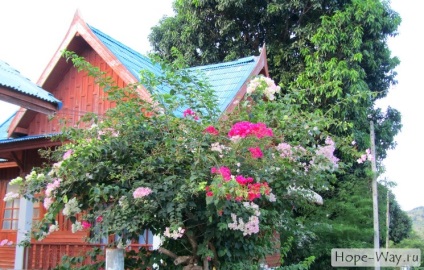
(8, 164)
(28, 144)
(21, 130)
(18, 161)
(33, 103)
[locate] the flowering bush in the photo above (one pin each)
(216, 191)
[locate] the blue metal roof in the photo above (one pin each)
(226, 78)
(27, 138)
(11, 78)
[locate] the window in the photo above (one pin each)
(11, 211)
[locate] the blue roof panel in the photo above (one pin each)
(5, 126)
(11, 78)
(226, 79)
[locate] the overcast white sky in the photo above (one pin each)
(31, 32)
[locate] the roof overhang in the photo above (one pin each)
(33, 103)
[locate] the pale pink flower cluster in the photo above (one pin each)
(365, 157)
(220, 148)
(141, 192)
(6, 242)
(51, 187)
(252, 225)
(248, 228)
(264, 84)
(271, 197)
(47, 202)
(10, 196)
(327, 151)
(68, 154)
(285, 150)
(71, 207)
(174, 234)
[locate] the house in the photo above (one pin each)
(31, 129)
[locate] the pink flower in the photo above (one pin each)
(99, 219)
(190, 112)
(211, 130)
(223, 171)
(85, 224)
(5, 242)
(141, 192)
(68, 154)
(243, 180)
(244, 129)
(256, 152)
(209, 194)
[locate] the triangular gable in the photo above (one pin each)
(127, 63)
(19, 90)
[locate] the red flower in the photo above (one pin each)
(209, 193)
(99, 219)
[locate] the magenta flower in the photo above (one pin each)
(223, 171)
(256, 152)
(141, 192)
(244, 129)
(85, 224)
(190, 112)
(243, 180)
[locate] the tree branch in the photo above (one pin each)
(167, 252)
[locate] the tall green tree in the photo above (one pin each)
(331, 60)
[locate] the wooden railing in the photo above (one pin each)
(48, 255)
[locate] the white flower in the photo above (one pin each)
(77, 226)
(71, 207)
(10, 196)
(54, 227)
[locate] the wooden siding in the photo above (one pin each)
(7, 257)
(37, 258)
(79, 95)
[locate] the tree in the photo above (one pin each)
(332, 53)
(216, 190)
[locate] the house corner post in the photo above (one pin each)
(24, 227)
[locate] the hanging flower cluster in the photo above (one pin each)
(141, 192)
(175, 234)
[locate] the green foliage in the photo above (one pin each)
(417, 217)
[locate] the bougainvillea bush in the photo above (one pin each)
(217, 188)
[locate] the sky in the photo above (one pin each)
(31, 32)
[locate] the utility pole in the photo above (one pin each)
(387, 218)
(375, 195)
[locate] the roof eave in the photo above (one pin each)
(33, 103)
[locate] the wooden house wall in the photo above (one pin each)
(79, 94)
